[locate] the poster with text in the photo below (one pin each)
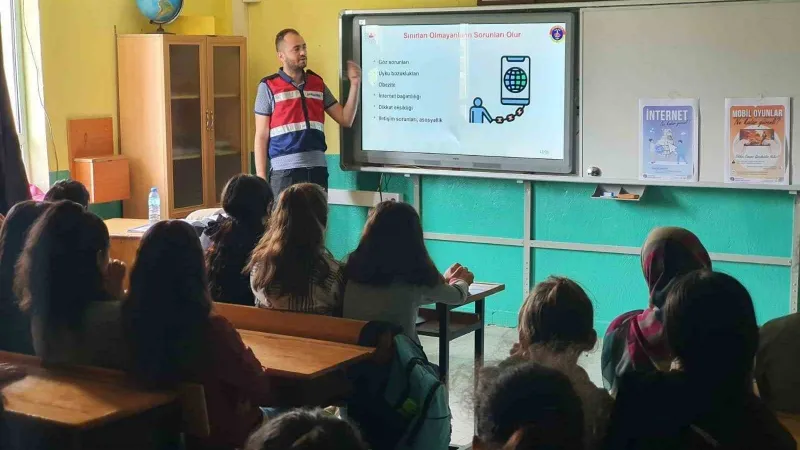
(668, 139)
(757, 147)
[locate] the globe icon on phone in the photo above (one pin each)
(515, 80)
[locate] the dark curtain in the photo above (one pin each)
(13, 180)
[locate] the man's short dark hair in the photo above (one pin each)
(68, 190)
(281, 35)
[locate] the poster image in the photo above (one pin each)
(757, 147)
(668, 141)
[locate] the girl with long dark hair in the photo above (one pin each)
(246, 200)
(175, 337)
(71, 289)
(390, 274)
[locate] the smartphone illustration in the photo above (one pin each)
(515, 80)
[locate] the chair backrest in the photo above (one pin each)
(312, 326)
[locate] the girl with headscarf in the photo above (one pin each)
(635, 340)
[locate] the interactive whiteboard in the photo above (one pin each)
(466, 91)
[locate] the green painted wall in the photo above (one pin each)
(727, 221)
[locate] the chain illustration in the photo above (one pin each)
(510, 118)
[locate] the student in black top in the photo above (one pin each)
(247, 201)
(707, 400)
(15, 332)
(522, 405)
(68, 190)
(306, 430)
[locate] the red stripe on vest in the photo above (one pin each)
(291, 111)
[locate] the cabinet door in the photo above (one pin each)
(228, 69)
(189, 122)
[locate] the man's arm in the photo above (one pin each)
(261, 144)
(345, 115)
(263, 110)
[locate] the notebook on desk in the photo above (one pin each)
(198, 226)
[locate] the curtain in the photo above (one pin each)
(13, 180)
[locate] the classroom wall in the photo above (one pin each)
(562, 214)
(76, 51)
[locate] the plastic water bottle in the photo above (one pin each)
(154, 206)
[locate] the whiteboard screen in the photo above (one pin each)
(706, 51)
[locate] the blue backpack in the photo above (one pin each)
(400, 404)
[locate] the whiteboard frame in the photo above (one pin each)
(578, 176)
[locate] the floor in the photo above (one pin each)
(497, 344)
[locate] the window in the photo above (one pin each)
(12, 64)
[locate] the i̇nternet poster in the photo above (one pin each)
(668, 144)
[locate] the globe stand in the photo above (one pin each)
(160, 29)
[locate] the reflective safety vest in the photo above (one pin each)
(296, 124)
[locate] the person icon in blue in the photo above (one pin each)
(477, 112)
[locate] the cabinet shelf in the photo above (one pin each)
(185, 96)
(196, 155)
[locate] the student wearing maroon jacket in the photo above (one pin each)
(290, 113)
(175, 337)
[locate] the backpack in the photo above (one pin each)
(400, 404)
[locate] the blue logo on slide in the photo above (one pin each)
(557, 33)
(514, 90)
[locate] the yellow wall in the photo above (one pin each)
(204, 17)
(78, 60)
(318, 22)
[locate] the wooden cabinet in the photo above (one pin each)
(182, 118)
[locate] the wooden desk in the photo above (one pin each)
(447, 325)
(77, 402)
(124, 244)
(302, 358)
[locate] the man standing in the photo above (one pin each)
(290, 112)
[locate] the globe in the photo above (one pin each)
(515, 80)
(160, 12)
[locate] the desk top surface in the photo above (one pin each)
(479, 291)
(296, 357)
(76, 400)
(118, 228)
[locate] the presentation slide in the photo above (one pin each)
(465, 89)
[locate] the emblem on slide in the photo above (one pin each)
(557, 33)
(514, 90)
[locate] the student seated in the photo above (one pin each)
(306, 430)
(247, 200)
(707, 400)
(68, 190)
(526, 406)
(175, 337)
(635, 340)
(290, 268)
(71, 290)
(777, 370)
(390, 274)
(15, 332)
(556, 325)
